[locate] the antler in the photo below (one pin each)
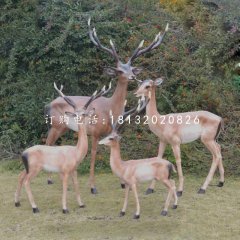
(156, 42)
(96, 42)
(94, 96)
(142, 103)
(97, 95)
(67, 99)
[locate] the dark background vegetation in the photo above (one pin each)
(47, 41)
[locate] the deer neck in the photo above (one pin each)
(119, 96)
(82, 143)
(151, 108)
(116, 162)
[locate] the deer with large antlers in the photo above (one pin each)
(61, 159)
(134, 171)
(125, 73)
(179, 128)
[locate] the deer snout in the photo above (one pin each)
(101, 142)
(132, 77)
(137, 94)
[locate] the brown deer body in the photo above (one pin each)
(133, 172)
(125, 73)
(61, 159)
(179, 128)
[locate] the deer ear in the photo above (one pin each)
(113, 72)
(158, 81)
(136, 70)
(70, 114)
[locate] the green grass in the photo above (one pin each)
(214, 215)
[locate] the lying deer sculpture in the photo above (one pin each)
(179, 128)
(61, 159)
(134, 171)
(125, 73)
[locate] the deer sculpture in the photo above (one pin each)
(125, 73)
(61, 159)
(134, 171)
(180, 128)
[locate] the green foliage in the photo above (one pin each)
(236, 81)
(12, 166)
(47, 41)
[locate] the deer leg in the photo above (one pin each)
(177, 155)
(221, 168)
(212, 147)
(92, 166)
(137, 214)
(19, 187)
(64, 196)
(174, 194)
(127, 188)
(52, 137)
(161, 150)
(28, 178)
(168, 184)
(76, 187)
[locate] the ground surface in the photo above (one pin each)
(215, 215)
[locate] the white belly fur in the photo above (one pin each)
(50, 168)
(191, 134)
(144, 173)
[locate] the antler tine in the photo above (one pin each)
(112, 124)
(144, 103)
(91, 99)
(155, 43)
(97, 43)
(97, 95)
(114, 50)
(104, 91)
(67, 99)
(59, 90)
(107, 90)
(101, 92)
(127, 114)
(136, 51)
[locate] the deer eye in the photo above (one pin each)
(111, 138)
(147, 87)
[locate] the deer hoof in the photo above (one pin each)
(17, 204)
(201, 191)
(164, 213)
(121, 214)
(35, 210)
(174, 206)
(136, 216)
(149, 191)
(94, 191)
(220, 184)
(82, 206)
(179, 193)
(122, 185)
(49, 181)
(65, 211)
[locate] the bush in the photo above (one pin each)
(43, 42)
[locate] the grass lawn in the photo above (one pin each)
(215, 215)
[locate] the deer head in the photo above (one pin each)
(145, 88)
(81, 112)
(126, 70)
